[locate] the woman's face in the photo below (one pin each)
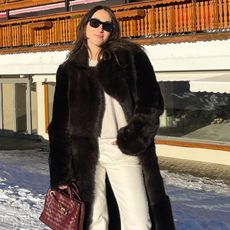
(98, 36)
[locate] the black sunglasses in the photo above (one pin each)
(95, 23)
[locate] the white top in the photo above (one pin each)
(114, 117)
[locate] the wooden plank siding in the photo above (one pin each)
(140, 21)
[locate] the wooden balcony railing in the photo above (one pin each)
(147, 20)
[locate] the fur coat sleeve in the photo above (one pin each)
(135, 138)
(59, 137)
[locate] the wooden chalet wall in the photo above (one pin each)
(147, 22)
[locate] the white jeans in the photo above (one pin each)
(126, 178)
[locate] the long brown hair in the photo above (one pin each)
(81, 41)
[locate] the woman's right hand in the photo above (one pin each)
(114, 142)
(62, 187)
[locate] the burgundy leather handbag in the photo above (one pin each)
(63, 209)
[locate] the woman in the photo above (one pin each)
(106, 112)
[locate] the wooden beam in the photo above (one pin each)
(183, 38)
(25, 4)
(164, 2)
(130, 14)
(41, 25)
(182, 143)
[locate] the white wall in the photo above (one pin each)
(31, 63)
(190, 56)
(187, 56)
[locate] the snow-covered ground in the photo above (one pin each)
(198, 203)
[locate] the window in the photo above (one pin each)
(196, 116)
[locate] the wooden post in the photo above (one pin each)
(194, 17)
(221, 25)
(202, 16)
(153, 19)
(225, 14)
(44, 36)
(171, 19)
(142, 26)
(14, 35)
(214, 22)
(161, 20)
(207, 15)
(129, 25)
(157, 20)
(124, 28)
(181, 19)
(138, 27)
(9, 35)
(198, 19)
(71, 29)
(177, 29)
(20, 35)
(185, 17)
(56, 31)
(165, 28)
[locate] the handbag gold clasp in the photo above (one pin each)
(62, 209)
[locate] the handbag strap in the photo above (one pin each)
(74, 189)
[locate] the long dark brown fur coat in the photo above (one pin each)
(78, 112)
